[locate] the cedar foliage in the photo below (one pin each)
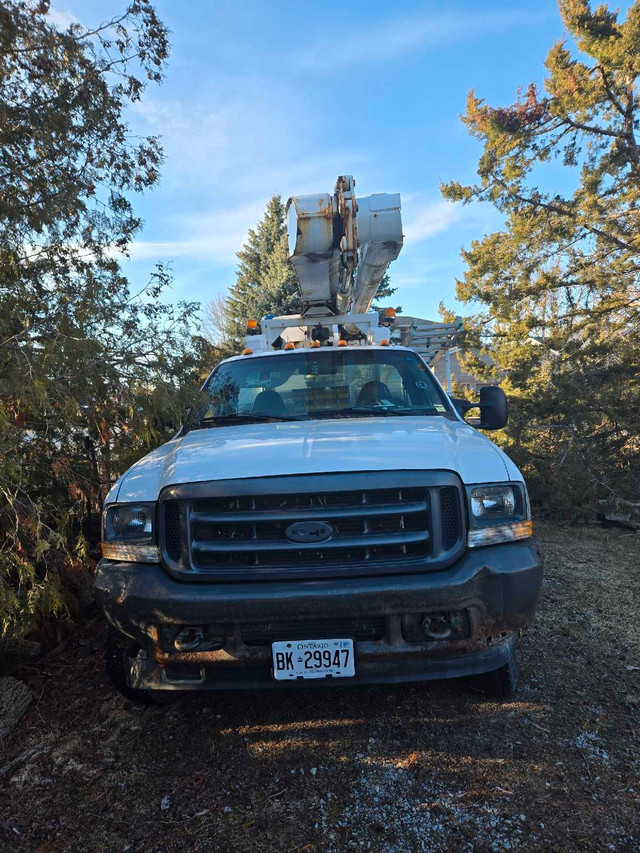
(558, 287)
(90, 372)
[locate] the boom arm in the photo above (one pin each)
(340, 248)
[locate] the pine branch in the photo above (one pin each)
(616, 103)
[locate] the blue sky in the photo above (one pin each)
(281, 97)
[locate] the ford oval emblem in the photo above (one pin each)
(309, 531)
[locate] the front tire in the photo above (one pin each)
(501, 683)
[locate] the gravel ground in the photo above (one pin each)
(410, 768)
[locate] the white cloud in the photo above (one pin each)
(62, 18)
(397, 36)
(240, 143)
(213, 236)
(421, 221)
(430, 219)
(228, 150)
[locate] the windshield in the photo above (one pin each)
(323, 384)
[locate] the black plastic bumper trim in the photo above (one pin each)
(503, 581)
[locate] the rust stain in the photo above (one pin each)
(325, 209)
(220, 656)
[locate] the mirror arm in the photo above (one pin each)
(463, 406)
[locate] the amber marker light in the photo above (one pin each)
(342, 343)
(289, 345)
(252, 324)
(390, 313)
(247, 351)
(500, 533)
(384, 343)
(314, 344)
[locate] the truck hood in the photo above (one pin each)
(310, 447)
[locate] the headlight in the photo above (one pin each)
(493, 502)
(498, 513)
(128, 533)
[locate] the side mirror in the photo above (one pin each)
(494, 411)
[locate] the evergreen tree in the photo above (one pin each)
(384, 292)
(91, 375)
(265, 281)
(558, 286)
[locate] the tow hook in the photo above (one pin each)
(436, 628)
(188, 639)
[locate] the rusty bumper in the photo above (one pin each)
(495, 589)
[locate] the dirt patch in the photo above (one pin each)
(415, 767)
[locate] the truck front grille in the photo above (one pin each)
(375, 524)
(243, 528)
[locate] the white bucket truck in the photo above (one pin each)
(325, 516)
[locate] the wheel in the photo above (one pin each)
(117, 672)
(503, 682)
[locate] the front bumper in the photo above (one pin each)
(496, 587)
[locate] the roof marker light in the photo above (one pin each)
(384, 343)
(342, 343)
(390, 312)
(247, 351)
(314, 344)
(289, 345)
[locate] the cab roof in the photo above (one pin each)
(276, 353)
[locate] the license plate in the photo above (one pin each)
(313, 659)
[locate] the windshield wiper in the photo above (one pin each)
(249, 417)
(369, 410)
(420, 412)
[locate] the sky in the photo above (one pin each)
(282, 97)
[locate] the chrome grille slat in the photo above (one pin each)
(257, 545)
(311, 514)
